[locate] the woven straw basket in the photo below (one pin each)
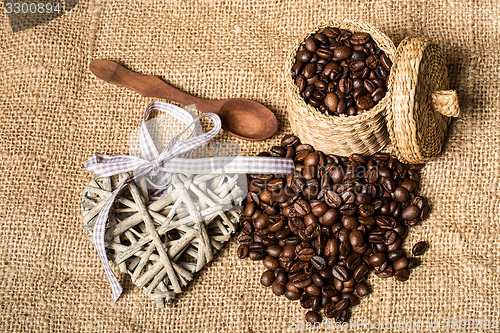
(341, 135)
(414, 114)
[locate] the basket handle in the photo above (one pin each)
(446, 102)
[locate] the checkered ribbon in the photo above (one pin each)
(170, 160)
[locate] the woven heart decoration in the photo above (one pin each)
(162, 241)
(163, 215)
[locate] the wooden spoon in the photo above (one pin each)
(242, 118)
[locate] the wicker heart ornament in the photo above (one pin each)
(161, 241)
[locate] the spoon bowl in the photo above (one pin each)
(242, 118)
(246, 119)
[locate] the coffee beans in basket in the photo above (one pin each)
(321, 230)
(340, 72)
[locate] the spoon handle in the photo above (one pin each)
(148, 85)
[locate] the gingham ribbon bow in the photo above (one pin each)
(169, 161)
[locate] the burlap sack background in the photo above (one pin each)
(55, 114)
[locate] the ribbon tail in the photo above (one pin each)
(99, 231)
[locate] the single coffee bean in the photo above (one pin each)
(305, 254)
(385, 61)
(310, 45)
(400, 263)
(267, 278)
(313, 290)
(304, 56)
(274, 250)
(245, 239)
(410, 213)
(318, 262)
(401, 194)
(362, 289)
(330, 311)
(278, 289)
(402, 274)
(291, 295)
(317, 280)
(242, 251)
(395, 255)
(271, 263)
(372, 61)
(377, 259)
(306, 301)
(324, 53)
(348, 209)
(313, 317)
(341, 273)
(257, 254)
(342, 52)
(302, 281)
(419, 248)
(356, 238)
(413, 263)
(250, 209)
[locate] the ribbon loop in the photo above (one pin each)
(170, 160)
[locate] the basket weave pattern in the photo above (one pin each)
(340, 135)
(421, 107)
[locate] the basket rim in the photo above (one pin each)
(293, 90)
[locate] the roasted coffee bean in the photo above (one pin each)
(395, 255)
(291, 295)
(342, 52)
(364, 102)
(245, 239)
(348, 209)
(342, 316)
(306, 301)
(341, 273)
(301, 281)
(363, 289)
(318, 262)
(401, 194)
(242, 251)
(313, 317)
(278, 289)
(305, 254)
(333, 199)
(360, 272)
(377, 259)
(267, 278)
(419, 248)
(302, 207)
(313, 290)
(317, 280)
(304, 56)
(271, 263)
(257, 254)
(356, 238)
(400, 263)
(410, 213)
(274, 250)
(413, 263)
(372, 61)
(385, 61)
(330, 311)
(310, 44)
(402, 274)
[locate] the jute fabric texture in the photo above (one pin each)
(55, 114)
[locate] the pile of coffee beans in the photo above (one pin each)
(340, 72)
(322, 229)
